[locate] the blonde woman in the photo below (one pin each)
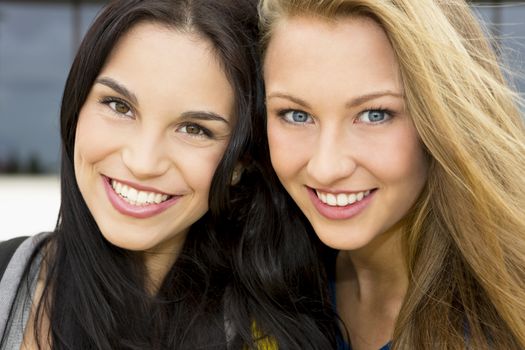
(391, 126)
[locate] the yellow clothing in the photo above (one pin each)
(263, 342)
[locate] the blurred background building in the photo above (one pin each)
(38, 40)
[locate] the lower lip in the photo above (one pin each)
(340, 213)
(140, 212)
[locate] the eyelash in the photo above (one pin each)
(107, 100)
(282, 115)
(386, 111)
(205, 131)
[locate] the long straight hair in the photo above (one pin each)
(279, 287)
(465, 239)
(95, 295)
(279, 297)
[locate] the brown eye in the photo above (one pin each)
(193, 129)
(121, 107)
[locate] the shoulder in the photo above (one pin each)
(7, 249)
(14, 256)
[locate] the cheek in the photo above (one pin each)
(93, 141)
(282, 146)
(406, 160)
(199, 165)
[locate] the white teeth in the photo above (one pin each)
(330, 199)
(319, 194)
(151, 197)
(136, 197)
(341, 199)
(132, 194)
(142, 197)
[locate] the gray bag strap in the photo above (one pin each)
(7, 249)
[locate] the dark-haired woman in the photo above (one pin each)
(155, 117)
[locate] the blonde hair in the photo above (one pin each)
(465, 239)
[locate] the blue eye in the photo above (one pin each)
(374, 116)
(295, 117)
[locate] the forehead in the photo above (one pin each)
(311, 53)
(165, 65)
(166, 42)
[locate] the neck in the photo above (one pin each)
(371, 284)
(376, 271)
(159, 262)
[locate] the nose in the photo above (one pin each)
(146, 156)
(332, 159)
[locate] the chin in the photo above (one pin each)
(129, 241)
(345, 240)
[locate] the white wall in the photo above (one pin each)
(28, 205)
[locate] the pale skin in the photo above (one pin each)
(337, 127)
(370, 289)
(158, 118)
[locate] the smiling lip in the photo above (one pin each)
(140, 212)
(340, 212)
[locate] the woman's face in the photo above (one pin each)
(150, 135)
(340, 139)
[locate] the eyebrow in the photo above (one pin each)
(204, 115)
(352, 103)
(289, 97)
(119, 88)
(367, 97)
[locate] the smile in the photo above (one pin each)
(137, 201)
(137, 197)
(341, 199)
(341, 205)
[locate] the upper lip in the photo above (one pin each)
(334, 191)
(138, 186)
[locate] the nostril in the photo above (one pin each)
(144, 162)
(330, 169)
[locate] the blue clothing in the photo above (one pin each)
(341, 343)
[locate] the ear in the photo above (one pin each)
(236, 175)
